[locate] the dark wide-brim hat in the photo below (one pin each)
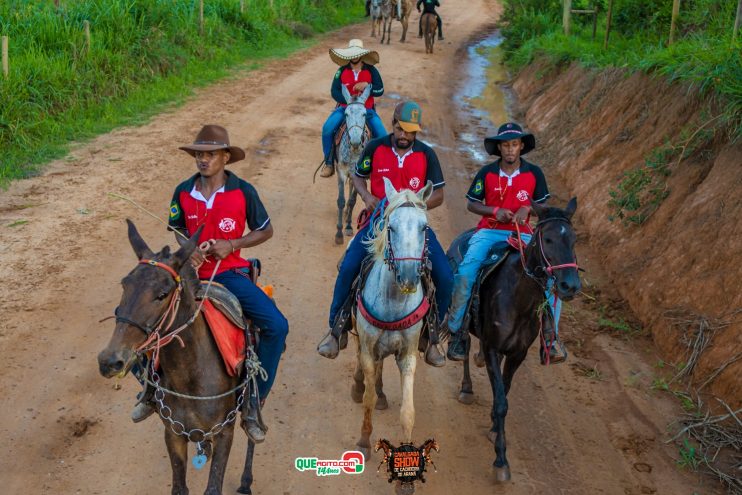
(211, 138)
(508, 132)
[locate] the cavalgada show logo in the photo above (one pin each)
(350, 462)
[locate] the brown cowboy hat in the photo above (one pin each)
(214, 137)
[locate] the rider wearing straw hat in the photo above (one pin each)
(226, 205)
(502, 193)
(355, 73)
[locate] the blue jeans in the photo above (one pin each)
(468, 271)
(351, 267)
(263, 312)
(336, 118)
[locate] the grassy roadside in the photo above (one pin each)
(143, 55)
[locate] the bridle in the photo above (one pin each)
(545, 264)
(391, 261)
(361, 127)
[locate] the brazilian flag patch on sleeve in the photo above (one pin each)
(174, 211)
(478, 186)
(365, 165)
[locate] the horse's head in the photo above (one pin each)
(149, 290)
(554, 242)
(355, 117)
(401, 240)
(430, 444)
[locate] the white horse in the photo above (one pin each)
(351, 146)
(392, 292)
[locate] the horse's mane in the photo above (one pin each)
(376, 245)
(550, 212)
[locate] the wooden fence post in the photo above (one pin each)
(242, 6)
(737, 21)
(86, 27)
(674, 20)
(5, 56)
(201, 16)
(608, 24)
(566, 16)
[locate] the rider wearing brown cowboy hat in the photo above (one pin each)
(225, 206)
(355, 73)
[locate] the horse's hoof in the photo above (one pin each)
(356, 393)
(404, 488)
(244, 489)
(502, 473)
(339, 238)
(381, 403)
(348, 232)
(492, 436)
(479, 359)
(466, 398)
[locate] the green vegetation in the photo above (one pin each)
(702, 55)
(143, 54)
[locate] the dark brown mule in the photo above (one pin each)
(194, 368)
(511, 299)
(430, 26)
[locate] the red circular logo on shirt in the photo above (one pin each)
(227, 225)
(414, 183)
(522, 195)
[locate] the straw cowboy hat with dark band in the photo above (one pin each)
(212, 138)
(508, 132)
(355, 50)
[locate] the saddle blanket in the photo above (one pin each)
(229, 338)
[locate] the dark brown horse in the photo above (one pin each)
(194, 368)
(512, 299)
(430, 26)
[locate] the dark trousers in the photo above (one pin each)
(263, 312)
(351, 267)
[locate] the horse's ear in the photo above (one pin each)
(571, 208)
(137, 243)
(425, 193)
(346, 94)
(186, 250)
(389, 189)
(538, 209)
(364, 96)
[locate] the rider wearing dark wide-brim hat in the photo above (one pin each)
(501, 193)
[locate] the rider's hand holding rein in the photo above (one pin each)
(360, 86)
(521, 216)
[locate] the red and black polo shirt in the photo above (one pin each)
(225, 216)
(493, 187)
(346, 77)
(410, 171)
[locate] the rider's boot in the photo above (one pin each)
(433, 354)
(458, 346)
(328, 169)
(144, 408)
(556, 354)
(252, 422)
(440, 30)
(329, 347)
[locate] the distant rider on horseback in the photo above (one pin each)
(355, 73)
(408, 164)
(502, 193)
(429, 8)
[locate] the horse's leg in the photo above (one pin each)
(358, 387)
(499, 411)
(220, 447)
(381, 402)
(369, 402)
(341, 207)
(352, 194)
(511, 365)
(246, 480)
(466, 395)
(407, 365)
(177, 449)
(405, 20)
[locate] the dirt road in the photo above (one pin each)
(64, 249)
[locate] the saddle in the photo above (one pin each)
(497, 254)
(339, 136)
